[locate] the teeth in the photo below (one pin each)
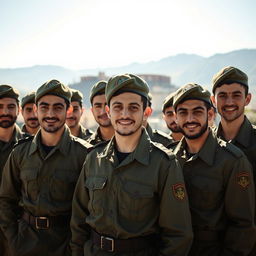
(125, 122)
(230, 109)
(191, 125)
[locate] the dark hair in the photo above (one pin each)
(231, 82)
(143, 99)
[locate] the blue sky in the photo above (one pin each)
(83, 34)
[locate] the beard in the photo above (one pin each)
(33, 124)
(131, 132)
(8, 123)
(52, 128)
(203, 129)
(231, 118)
(174, 127)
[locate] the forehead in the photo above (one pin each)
(51, 99)
(229, 88)
(126, 97)
(8, 101)
(75, 104)
(169, 109)
(99, 99)
(28, 105)
(191, 104)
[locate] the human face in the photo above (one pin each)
(170, 119)
(230, 100)
(51, 113)
(99, 112)
(74, 116)
(126, 113)
(29, 116)
(192, 118)
(9, 111)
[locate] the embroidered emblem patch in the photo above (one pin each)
(243, 179)
(179, 191)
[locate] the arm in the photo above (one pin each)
(240, 209)
(175, 220)
(79, 229)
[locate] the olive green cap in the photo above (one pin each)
(168, 101)
(191, 91)
(98, 88)
(127, 83)
(76, 96)
(229, 75)
(53, 87)
(29, 98)
(7, 91)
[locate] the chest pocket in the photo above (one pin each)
(206, 192)
(136, 201)
(96, 186)
(30, 184)
(62, 185)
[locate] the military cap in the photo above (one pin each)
(7, 91)
(53, 87)
(29, 98)
(128, 83)
(98, 88)
(229, 75)
(191, 91)
(168, 101)
(76, 96)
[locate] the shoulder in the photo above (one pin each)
(229, 148)
(163, 150)
(161, 137)
(25, 141)
(81, 143)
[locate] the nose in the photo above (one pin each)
(190, 117)
(125, 112)
(229, 100)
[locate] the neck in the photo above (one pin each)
(177, 136)
(231, 129)
(51, 139)
(107, 132)
(75, 130)
(127, 144)
(195, 145)
(6, 133)
(32, 131)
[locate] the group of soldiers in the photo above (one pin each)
(128, 189)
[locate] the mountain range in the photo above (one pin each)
(182, 68)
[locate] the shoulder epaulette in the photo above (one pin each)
(162, 148)
(235, 151)
(173, 145)
(24, 140)
(83, 142)
(161, 133)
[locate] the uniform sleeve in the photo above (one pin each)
(175, 220)
(79, 229)
(240, 209)
(10, 194)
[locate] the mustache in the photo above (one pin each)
(10, 116)
(124, 119)
(173, 123)
(33, 119)
(103, 116)
(71, 118)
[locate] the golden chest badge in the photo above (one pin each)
(243, 179)
(179, 191)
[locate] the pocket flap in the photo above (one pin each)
(94, 183)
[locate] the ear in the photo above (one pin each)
(148, 111)
(35, 109)
(107, 110)
(210, 114)
(248, 99)
(213, 101)
(70, 110)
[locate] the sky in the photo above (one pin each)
(82, 34)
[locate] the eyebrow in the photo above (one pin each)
(196, 108)
(131, 103)
(55, 104)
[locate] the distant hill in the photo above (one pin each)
(182, 68)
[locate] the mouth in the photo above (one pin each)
(6, 118)
(50, 120)
(125, 122)
(103, 117)
(191, 125)
(229, 108)
(71, 118)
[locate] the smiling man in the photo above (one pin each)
(231, 96)
(39, 179)
(74, 115)
(105, 130)
(130, 198)
(31, 124)
(218, 178)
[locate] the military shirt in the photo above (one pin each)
(84, 133)
(134, 198)
(95, 138)
(220, 187)
(6, 147)
(159, 136)
(43, 184)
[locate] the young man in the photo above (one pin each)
(130, 198)
(218, 178)
(74, 115)
(230, 89)
(105, 130)
(170, 118)
(31, 124)
(39, 179)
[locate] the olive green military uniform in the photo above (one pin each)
(158, 136)
(95, 138)
(44, 184)
(84, 133)
(220, 186)
(136, 198)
